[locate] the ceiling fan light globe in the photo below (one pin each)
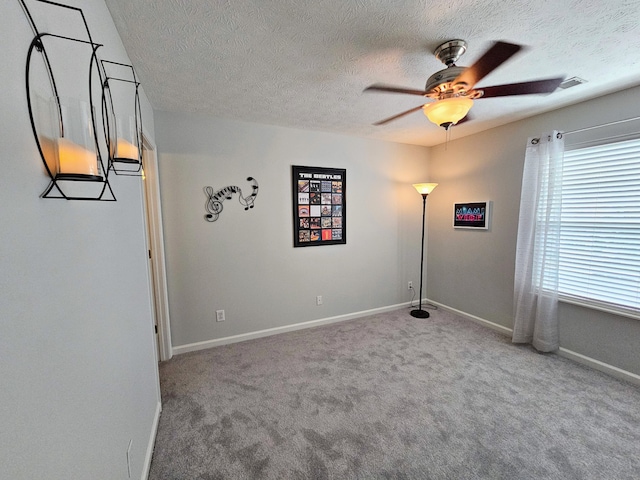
(448, 111)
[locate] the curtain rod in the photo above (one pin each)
(600, 126)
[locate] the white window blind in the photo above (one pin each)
(600, 225)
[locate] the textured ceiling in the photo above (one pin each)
(305, 63)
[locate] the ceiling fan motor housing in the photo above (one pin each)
(449, 52)
(439, 82)
(440, 85)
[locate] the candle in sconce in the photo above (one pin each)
(48, 147)
(75, 159)
(126, 150)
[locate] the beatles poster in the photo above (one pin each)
(319, 206)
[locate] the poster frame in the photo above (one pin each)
(316, 222)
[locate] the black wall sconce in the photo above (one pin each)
(215, 199)
(63, 117)
(124, 119)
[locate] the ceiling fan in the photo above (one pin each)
(453, 88)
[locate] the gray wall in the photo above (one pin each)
(77, 360)
(473, 271)
(245, 262)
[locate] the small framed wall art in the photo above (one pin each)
(319, 206)
(474, 215)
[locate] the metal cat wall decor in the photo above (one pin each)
(215, 199)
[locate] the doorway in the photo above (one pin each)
(155, 242)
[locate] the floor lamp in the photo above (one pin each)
(423, 189)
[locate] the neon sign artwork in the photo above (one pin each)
(471, 215)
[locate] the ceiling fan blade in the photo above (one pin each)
(389, 88)
(387, 120)
(537, 86)
(499, 53)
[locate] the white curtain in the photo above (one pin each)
(537, 256)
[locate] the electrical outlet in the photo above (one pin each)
(319, 300)
(219, 315)
(410, 285)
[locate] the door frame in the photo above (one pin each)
(158, 275)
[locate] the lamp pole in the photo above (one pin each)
(423, 189)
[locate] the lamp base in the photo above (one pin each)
(419, 313)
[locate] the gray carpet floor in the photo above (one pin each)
(392, 397)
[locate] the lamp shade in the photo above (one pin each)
(424, 188)
(448, 111)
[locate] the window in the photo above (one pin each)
(600, 226)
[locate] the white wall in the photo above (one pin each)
(473, 271)
(245, 262)
(77, 361)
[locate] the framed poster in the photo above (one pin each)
(319, 206)
(471, 215)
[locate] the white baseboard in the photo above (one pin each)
(493, 326)
(563, 352)
(152, 440)
(191, 347)
(601, 366)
